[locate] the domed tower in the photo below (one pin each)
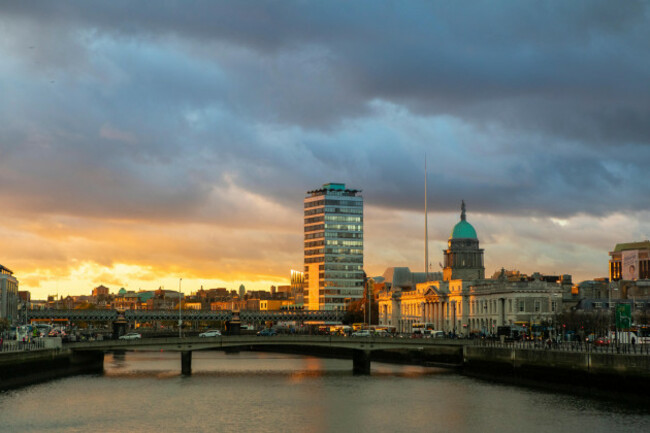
(463, 257)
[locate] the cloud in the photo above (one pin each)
(136, 123)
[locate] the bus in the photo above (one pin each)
(643, 331)
(422, 329)
(384, 330)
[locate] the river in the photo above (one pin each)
(262, 392)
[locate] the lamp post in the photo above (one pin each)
(369, 284)
(180, 309)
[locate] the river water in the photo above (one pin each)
(261, 392)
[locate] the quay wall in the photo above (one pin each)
(19, 369)
(559, 369)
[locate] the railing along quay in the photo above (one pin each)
(22, 346)
(569, 346)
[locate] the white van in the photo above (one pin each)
(624, 337)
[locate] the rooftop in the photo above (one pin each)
(339, 187)
(643, 245)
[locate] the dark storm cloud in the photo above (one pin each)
(150, 109)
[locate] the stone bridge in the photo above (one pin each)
(361, 348)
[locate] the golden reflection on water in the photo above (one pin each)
(312, 367)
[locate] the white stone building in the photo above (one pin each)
(462, 301)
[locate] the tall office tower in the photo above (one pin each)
(333, 247)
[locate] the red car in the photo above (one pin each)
(601, 341)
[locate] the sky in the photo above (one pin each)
(171, 143)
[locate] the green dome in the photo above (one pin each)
(463, 230)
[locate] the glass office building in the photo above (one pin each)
(333, 247)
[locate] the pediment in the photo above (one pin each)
(432, 291)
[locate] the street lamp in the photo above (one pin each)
(369, 293)
(612, 286)
(180, 309)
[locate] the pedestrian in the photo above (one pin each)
(633, 343)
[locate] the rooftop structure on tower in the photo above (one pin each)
(463, 257)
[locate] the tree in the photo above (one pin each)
(4, 325)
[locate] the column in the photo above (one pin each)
(360, 362)
(186, 363)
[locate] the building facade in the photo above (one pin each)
(630, 261)
(462, 301)
(479, 307)
(8, 295)
(333, 247)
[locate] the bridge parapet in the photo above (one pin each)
(223, 315)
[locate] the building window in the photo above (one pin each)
(538, 306)
(553, 306)
(522, 306)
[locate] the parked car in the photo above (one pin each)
(362, 333)
(268, 332)
(210, 333)
(131, 336)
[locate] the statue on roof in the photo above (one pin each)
(462, 210)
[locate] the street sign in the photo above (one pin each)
(623, 316)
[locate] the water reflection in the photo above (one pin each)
(254, 392)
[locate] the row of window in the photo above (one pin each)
(334, 210)
(315, 219)
(335, 267)
(344, 227)
(334, 218)
(344, 218)
(349, 275)
(334, 242)
(329, 250)
(339, 235)
(329, 226)
(332, 202)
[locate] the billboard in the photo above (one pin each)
(630, 265)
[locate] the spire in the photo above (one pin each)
(462, 210)
(426, 223)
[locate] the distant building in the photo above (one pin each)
(100, 291)
(271, 304)
(8, 295)
(242, 291)
(297, 281)
(333, 247)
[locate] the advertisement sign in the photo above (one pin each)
(630, 265)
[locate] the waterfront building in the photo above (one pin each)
(630, 261)
(629, 272)
(461, 300)
(8, 295)
(333, 247)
